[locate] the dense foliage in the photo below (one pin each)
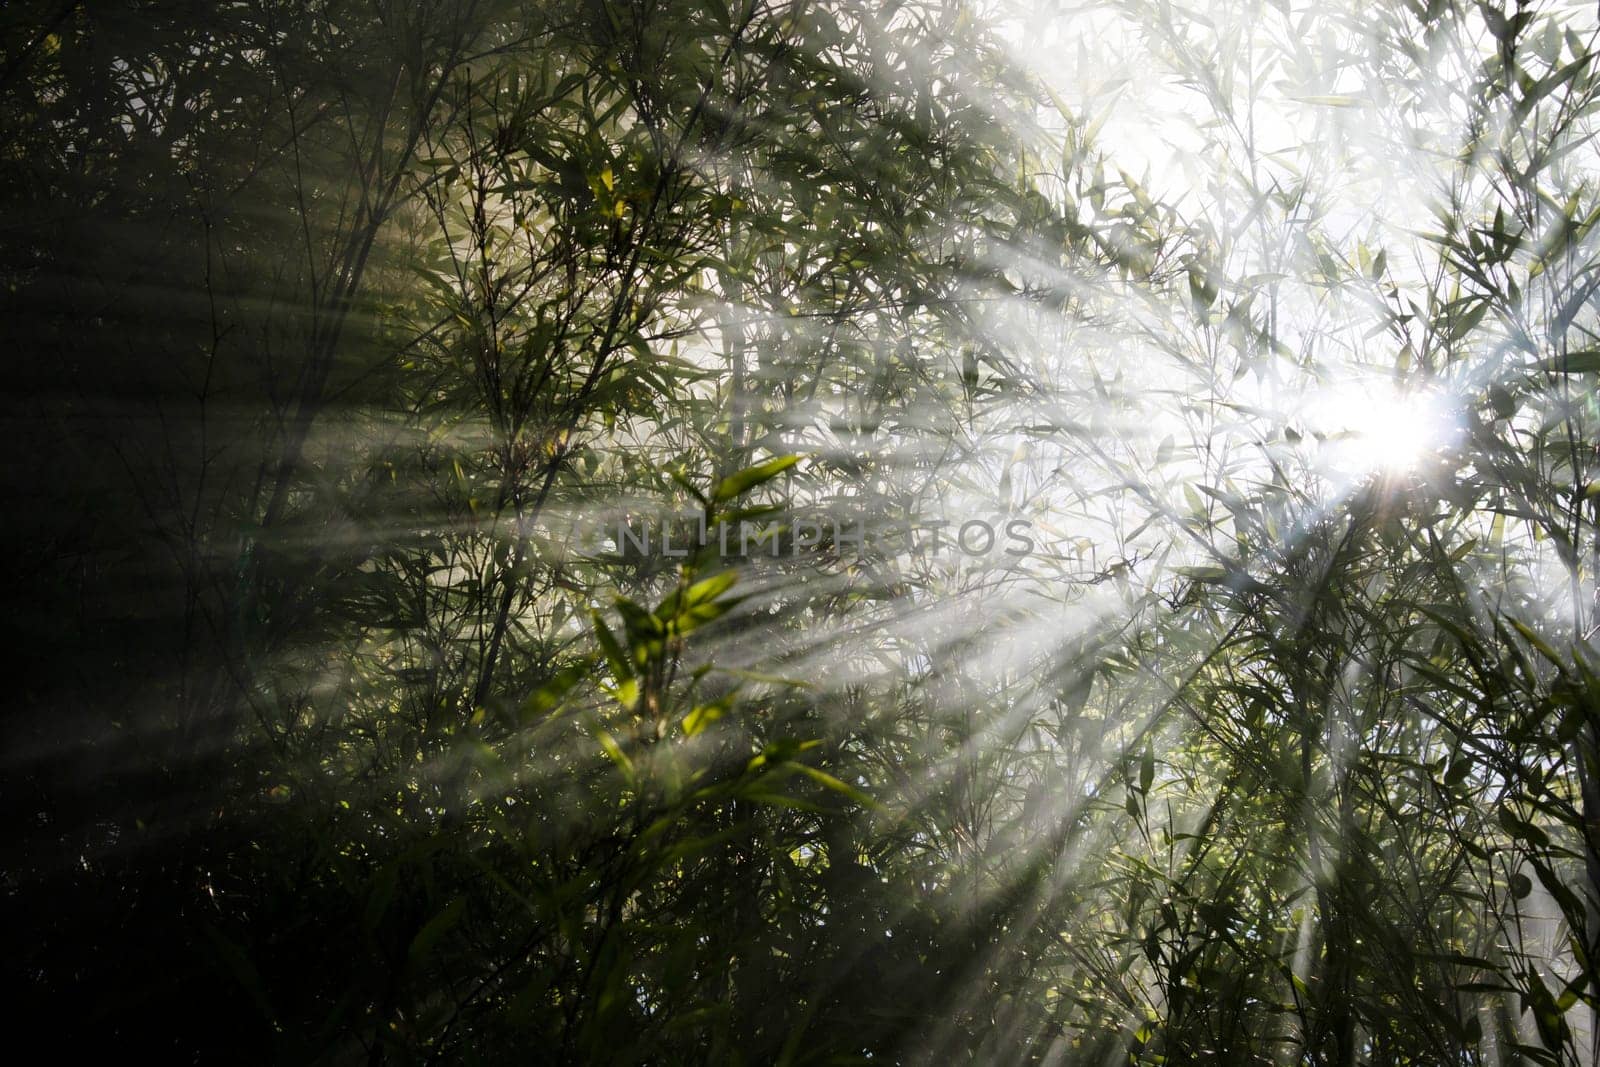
(335, 325)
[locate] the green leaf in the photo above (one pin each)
(827, 780)
(782, 750)
(613, 650)
(645, 630)
(706, 591)
(614, 751)
(1536, 641)
(1583, 361)
(704, 715)
(550, 695)
(709, 589)
(1521, 829)
(688, 486)
(626, 693)
(743, 481)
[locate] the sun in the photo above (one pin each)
(1377, 427)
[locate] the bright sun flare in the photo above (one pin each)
(1376, 427)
